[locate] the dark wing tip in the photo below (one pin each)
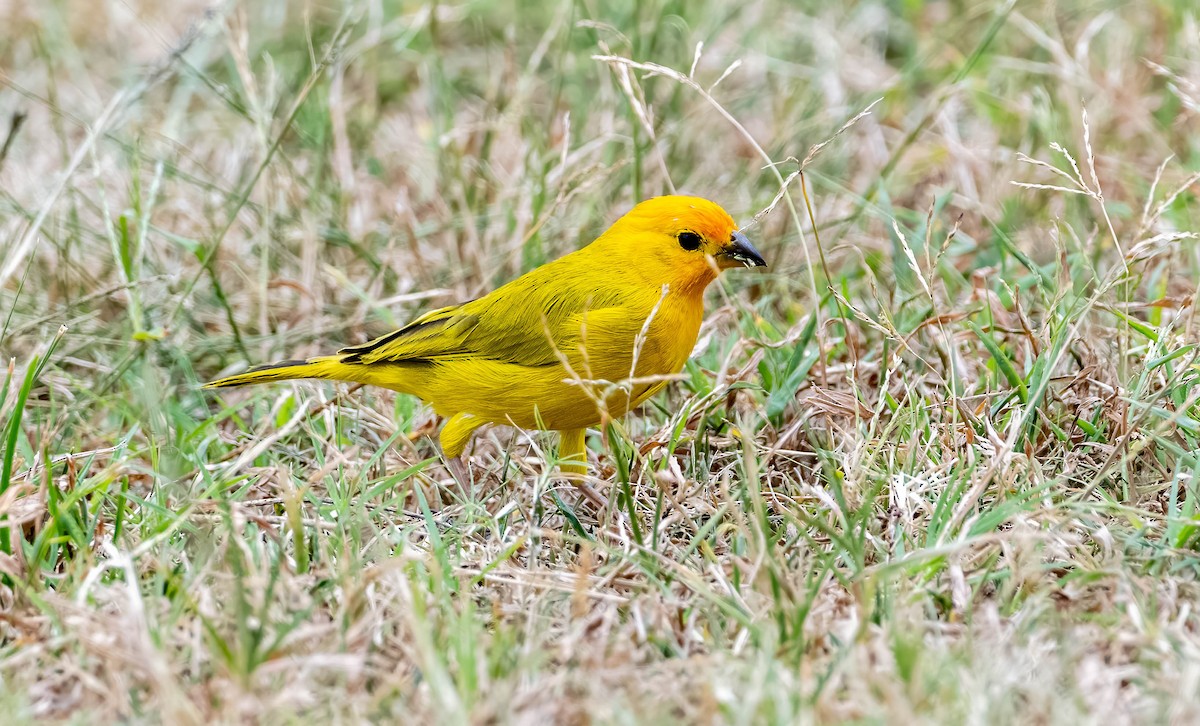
(247, 376)
(279, 364)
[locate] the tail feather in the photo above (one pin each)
(327, 367)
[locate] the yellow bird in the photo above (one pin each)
(568, 345)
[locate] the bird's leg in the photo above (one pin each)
(454, 437)
(572, 462)
(457, 432)
(459, 471)
(572, 451)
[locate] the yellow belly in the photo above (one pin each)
(548, 397)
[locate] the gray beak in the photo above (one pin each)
(741, 252)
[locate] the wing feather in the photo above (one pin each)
(523, 323)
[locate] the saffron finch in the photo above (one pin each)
(563, 347)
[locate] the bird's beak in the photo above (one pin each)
(739, 252)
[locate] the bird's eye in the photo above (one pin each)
(689, 241)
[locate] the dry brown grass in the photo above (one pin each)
(967, 495)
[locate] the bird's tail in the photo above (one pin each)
(329, 367)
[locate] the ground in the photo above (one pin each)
(938, 463)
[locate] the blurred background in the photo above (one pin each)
(193, 187)
(324, 158)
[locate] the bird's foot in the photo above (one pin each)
(462, 476)
(580, 481)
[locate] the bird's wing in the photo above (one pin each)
(436, 333)
(526, 322)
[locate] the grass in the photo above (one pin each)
(939, 463)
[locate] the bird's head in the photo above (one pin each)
(680, 241)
